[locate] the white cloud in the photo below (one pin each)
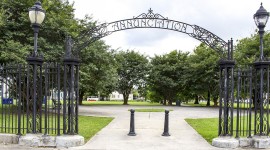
(225, 18)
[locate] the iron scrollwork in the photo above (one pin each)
(155, 20)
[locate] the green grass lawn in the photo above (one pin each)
(150, 110)
(89, 126)
(207, 128)
(130, 102)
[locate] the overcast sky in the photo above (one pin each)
(225, 18)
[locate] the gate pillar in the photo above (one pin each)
(226, 94)
(261, 100)
(226, 97)
(225, 126)
(71, 90)
(34, 94)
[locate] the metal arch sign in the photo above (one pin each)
(151, 20)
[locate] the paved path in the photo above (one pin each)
(149, 127)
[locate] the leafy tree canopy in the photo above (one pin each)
(247, 50)
(166, 76)
(132, 71)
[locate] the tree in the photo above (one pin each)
(166, 76)
(153, 95)
(143, 89)
(98, 71)
(132, 71)
(203, 73)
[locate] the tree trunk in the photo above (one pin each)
(253, 97)
(208, 98)
(164, 102)
(170, 102)
(196, 99)
(102, 98)
(81, 97)
(215, 99)
(125, 95)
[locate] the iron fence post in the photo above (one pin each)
(65, 101)
(220, 101)
(238, 97)
(250, 101)
(19, 100)
(58, 99)
(45, 99)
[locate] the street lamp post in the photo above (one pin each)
(36, 15)
(261, 79)
(261, 18)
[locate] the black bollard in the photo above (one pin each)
(132, 126)
(166, 124)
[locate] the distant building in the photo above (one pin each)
(4, 90)
(117, 96)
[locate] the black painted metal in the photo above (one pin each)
(58, 99)
(45, 99)
(244, 100)
(261, 98)
(152, 20)
(32, 97)
(132, 123)
(251, 98)
(166, 124)
(226, 97)
(35, 91)
(71, 90)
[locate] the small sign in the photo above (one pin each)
(44, 101)
(7, 101)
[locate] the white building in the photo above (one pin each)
(117, 96)
(4, 90)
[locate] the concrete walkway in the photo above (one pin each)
(148, 127)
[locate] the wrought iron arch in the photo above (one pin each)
(152, 20)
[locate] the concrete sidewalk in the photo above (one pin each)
(148, 127)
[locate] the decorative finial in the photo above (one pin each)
(150, 11)
(261, 3)
(150, 15)
(69, 44)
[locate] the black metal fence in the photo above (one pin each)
(244, 103)
(39, 97)
(244, 100)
